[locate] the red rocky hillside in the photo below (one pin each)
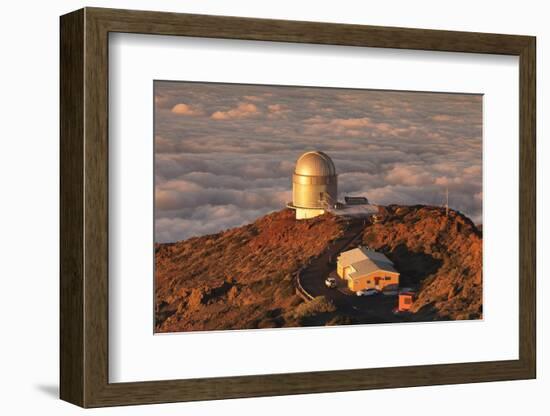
(240, 278)
(440, 254)
(243, 277)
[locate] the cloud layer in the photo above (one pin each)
(225, 153)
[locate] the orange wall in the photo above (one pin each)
(368, 281)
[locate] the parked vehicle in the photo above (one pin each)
(330, 282)
(368, 292)
(391, 290)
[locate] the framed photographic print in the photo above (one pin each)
(255, 207)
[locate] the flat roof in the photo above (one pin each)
(356, 200)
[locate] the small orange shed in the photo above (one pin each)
(406, 300)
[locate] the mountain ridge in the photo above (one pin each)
(242, 278)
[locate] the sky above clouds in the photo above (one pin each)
(225, 153)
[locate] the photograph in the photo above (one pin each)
(280, 206)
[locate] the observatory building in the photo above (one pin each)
(363, 268)
(314, 185)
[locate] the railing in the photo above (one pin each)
(300, 291)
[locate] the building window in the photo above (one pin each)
(407, 301)
(388, 278)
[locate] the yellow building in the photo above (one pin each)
(366, 269)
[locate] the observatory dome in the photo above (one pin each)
(315, 164)
(314, 185)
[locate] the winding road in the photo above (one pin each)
(312, 278)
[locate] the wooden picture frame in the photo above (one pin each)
(84, 207)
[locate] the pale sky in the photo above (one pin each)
(225, 153)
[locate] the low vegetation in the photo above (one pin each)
(319, 305)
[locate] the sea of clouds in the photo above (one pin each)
(224, 154)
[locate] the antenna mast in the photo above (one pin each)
(447, 201)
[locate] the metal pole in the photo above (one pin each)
(447, 202)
